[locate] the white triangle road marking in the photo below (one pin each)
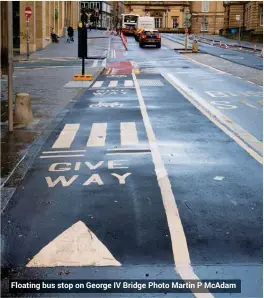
(77, 246)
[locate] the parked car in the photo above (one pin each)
(150, 37)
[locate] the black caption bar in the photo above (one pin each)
(124, 286)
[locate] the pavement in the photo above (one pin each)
(153, 172)
(48, 78)
(245, 58)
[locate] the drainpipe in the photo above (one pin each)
(10, 64)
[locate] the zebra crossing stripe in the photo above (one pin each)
(98, 84)
(66, 136)
(129, 83)
(128, 133)
(113, 84)
(98, 135)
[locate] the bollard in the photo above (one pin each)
(23, 110)
(255, 47)
(220, 43)
(195, 46)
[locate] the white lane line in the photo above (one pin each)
(251, 82)
(113, 84)
(129, 83)
(98, 84)
(233, 130)
(128, 133)
(98, 135)
(179, 244)
(213, 68)
(124, 149)
(95, 63)
(66, 136)
(128, 153)
(65, 151)
(55, 156)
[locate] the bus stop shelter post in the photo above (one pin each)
(10, 65)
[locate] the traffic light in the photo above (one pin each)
(82, 41)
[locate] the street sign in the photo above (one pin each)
(238, 17)
(28, 12)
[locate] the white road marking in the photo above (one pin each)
(128, 153)
(66, 136)
(251, 82)
(98, 135)
(65, 151)
(95, 63)
(98, 84)
(232, 129)
(124, 149)
(77, 246)
(219, 178)
(129, 83)
(179, 244)
(55, 156)
(128, 133)
(113, 84)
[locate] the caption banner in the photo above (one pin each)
(124, 286)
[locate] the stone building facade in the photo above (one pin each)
(45, 15)
(206, 16)
(99, 13)
(169, 15)
(250, 19)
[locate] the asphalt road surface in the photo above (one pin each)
(142, 177)
(244, 58)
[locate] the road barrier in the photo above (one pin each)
(124, 40)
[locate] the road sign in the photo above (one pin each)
(238, 17)
(28, 12)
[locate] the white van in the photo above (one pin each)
(144, 23)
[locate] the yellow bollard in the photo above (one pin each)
(195, 47)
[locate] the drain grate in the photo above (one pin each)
(152, 83)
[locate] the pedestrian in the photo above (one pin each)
(90, 26)
(54, 36)
(70, 33)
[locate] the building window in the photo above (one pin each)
(205, 6)
(204, 26)
(261, 15)
(158, 22)
(175, 22)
